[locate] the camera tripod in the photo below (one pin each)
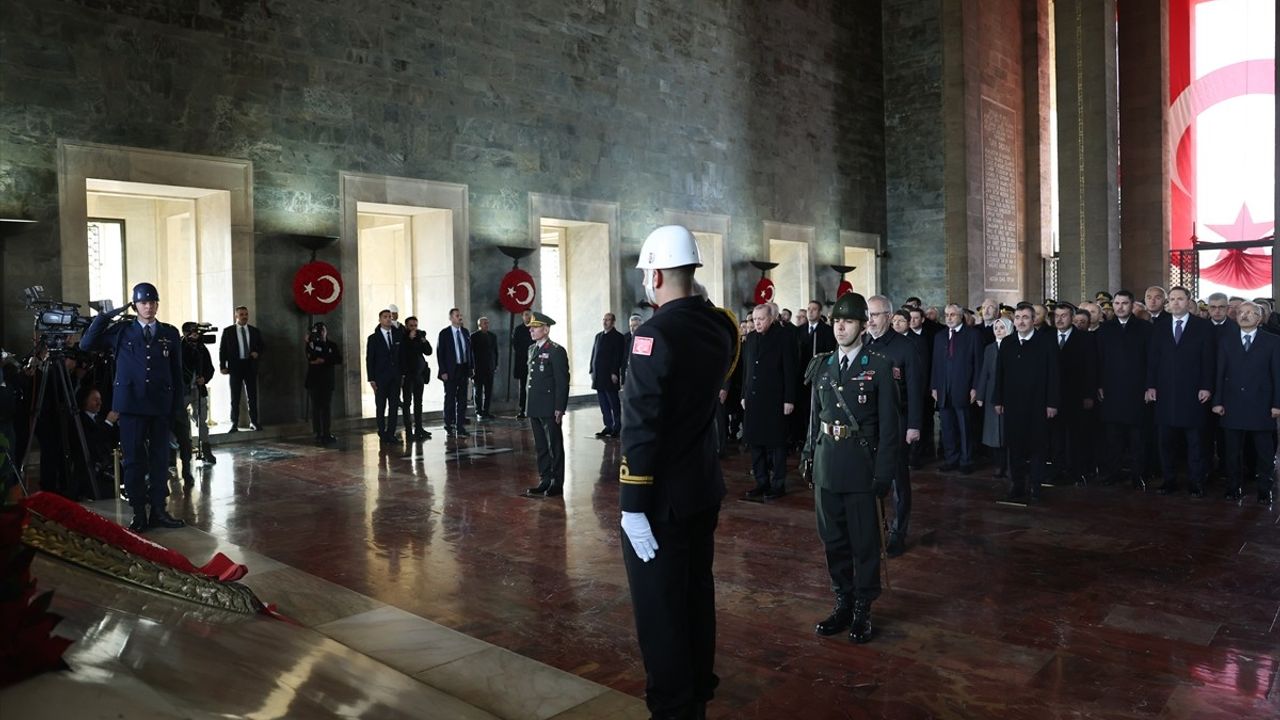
(53, 366)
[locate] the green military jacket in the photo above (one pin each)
(866, 394)
(548, 380)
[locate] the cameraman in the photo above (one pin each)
(197, 371)
(101, 436)
(148, 394)
(322, 356)
(417, 373)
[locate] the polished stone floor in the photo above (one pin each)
(1101, 602)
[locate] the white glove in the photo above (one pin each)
(636, 526)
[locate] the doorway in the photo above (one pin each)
(791, 287)
(406, 259)
(178, 239)
(576, 289)
(863, 275)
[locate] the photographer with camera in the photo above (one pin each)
(101, 435)
(197, 371)
(148, 394)
(417, 373)
(322, 356)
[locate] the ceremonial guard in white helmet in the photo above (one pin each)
(671, 486)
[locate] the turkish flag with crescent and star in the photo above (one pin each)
(764, 291)
(317, 288)
(517, 291)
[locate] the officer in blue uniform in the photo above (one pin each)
(147, 393)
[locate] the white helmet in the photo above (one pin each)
(670, 246)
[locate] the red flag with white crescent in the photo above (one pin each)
(517, 291)
(764, 291)
(844, 287)
(317, 288)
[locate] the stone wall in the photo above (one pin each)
(758, 111)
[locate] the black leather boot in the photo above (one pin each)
(162, 519)
(897, 544)
(839, 618)
(860, 632)
(139, 524)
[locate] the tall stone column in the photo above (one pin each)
(1143, 49)
(1088, 187)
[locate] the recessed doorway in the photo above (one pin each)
(788, 245)
(576, 288)
(406, 259)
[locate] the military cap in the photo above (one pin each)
(1102, 295)
(850, 306)
(540, 320)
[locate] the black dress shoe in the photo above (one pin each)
(1017, 494)
(1167, 489)
(860, 631)
(162, 519)
(774, 494)
(255, 426)
(757, 492)
(1233, 494)
(896, 545)
(603, 433)
(553, 491)
(947, 467)
(330, 439)
(521, 416)
(139, 523)
(1197, 491)
(188, 481)
(233, 429)
(839, 619)
(537, 492)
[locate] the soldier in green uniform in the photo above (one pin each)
(547, 398)
(851, 451)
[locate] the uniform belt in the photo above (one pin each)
(840, 431)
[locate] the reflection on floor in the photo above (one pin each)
(1102, 602)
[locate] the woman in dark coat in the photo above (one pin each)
(993, 424)
(769, 380)
(322, 356)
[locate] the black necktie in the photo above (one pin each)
(1248, 342)
(844, 364)
(146, 334)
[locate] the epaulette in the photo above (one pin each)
(811, 371)
(737, 339)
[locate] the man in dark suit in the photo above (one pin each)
(909, 381)
(1155, 299)
(456, 362)
(548, 400)
(101, 435)
(957, 357)
(484, 344)
(1247, 399)
(769, 392)
(382, 365)
(1180, 378)
(1027, 399)
(606, 375)
(1122, 380)
(925, 450)
(414, 370)
(1223, 326)
(1078, 391)
(147, 394)
(520, 342)
(238, 356)
(633, 322)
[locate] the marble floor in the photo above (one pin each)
(1101, 602)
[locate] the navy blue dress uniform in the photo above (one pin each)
(1178, 369)
(1122, 378)
(854, 443)
(547, 395)
(769, 380)
(606, 363)
(957, 358)
(669, 471)
(322, 357)
(1248, 387)
(383, 356)
(909, 379)
(1026, 387)
(147, 393)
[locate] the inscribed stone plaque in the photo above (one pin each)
(1000, 222)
